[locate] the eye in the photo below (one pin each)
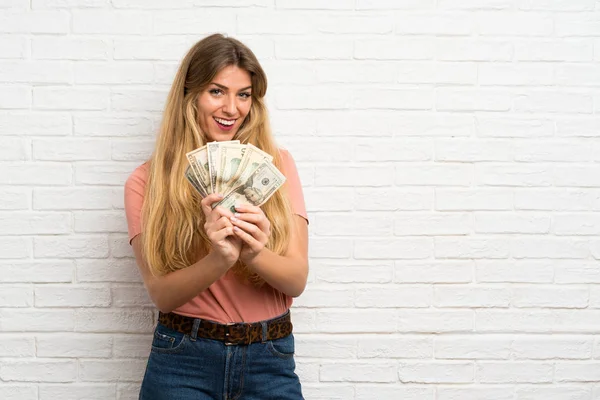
(245, 95)
(215, 91)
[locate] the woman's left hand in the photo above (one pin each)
(252, 226)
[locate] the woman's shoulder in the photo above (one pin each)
(138, 177)
(287, 160)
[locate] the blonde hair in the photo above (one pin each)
(173, 236)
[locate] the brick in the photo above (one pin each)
(394, 49)
(513, 175)
(131, 296)
(331, 271)
(36, 271)
(393, 199)
(472, 99)
(317, 49)
(436, 372)
(471, 247)
(100, 222)
(113, 125)
(122, 321)
(540, 347)
(55, 98)
(15, 247)
(131, 346)
(468, 49)
(403, 248)
(67, 48)
(35, 123)
(542, 247)
(514, 372)
(357, 372)
(471, 296)
(111, 270)
(33, 72)
(77, 391)
(472, 200)
(438, 271)
(15, 149)
(14, 346)
(19, 320)
(502, 222)
(111, 22)
(345, 224)
(426, 321)
(446, 174)
(462, 347)
(73, 345)
(416, 223)
(113, 370)
(16, 296)
(71, 296)
(394, 346)
(509, 127)
(195, 21)
(34, 22)
(87, 246)
(15, 97)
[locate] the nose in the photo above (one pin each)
(229, 106)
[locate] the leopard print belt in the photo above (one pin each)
(230, 334)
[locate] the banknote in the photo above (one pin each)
(199, 163)
(230, 157)
(213, 150)
(256, 189)
(253, 157)
(189, 174)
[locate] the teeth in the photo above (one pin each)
(224, 121)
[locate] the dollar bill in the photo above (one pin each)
(213, 150)
(253, 157)
(189, 174)
(230, 157)
(198, 162)
(256, 189)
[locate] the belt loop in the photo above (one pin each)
(194, 333)
(264, 331)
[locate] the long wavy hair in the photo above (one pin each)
(173, 236)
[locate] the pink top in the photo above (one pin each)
(227, 299)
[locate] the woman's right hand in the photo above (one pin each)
(219, 229)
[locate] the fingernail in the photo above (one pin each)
(233, 219)
(220, 195)
(236, 215)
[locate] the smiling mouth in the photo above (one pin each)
(225, 122)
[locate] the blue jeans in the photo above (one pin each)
(182, 367)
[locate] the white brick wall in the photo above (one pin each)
(449, 154)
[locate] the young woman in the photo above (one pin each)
(223, 282)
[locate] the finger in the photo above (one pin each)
(259, 220)
(246, 238)
(221, 223)
(220, 235)
(247, 208)
(251, 229)
(208, 201)
(223, 211)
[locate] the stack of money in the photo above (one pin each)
(242, 173)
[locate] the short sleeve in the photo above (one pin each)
(294, 187)
(134, 199)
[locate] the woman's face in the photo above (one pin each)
(224, 104)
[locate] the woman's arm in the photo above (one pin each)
(174, 289)
(287, 273)
(177, 288)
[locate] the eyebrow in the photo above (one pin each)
(226, 88)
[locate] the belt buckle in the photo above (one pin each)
(227, 339)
